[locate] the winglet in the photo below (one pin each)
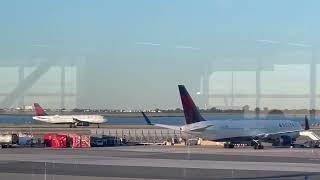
(306, 123)
(146, 118)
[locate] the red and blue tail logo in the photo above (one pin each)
(39, 110)
(191, 111)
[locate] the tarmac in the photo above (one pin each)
(152, 162)
(159, 162)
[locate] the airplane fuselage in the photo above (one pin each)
(70, 119)
(233, 130)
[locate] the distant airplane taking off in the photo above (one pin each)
(277, 132)
(73, 120)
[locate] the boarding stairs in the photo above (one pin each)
(310, 134)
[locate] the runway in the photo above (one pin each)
(159, 162)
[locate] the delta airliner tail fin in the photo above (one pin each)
(39, 110)
(191, 111)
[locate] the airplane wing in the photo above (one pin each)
(78, 120)
(270, 135)
(177, 128)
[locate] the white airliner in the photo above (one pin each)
(73, 120)
(277, 132)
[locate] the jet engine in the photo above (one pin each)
(283, 141)
(82, 123)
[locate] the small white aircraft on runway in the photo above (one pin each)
(277, 132)
(73, 120)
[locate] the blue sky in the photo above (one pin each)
(142, 49)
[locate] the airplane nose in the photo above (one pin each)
(104, 120)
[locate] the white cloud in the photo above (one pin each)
(299, 44)
(148, 43)
(187, 47)
(266, 41)
(40, 45)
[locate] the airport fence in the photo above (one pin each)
(143, 135)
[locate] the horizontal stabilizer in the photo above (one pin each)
(199, 128)
(176, 128)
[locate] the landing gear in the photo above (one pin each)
(257, 144)
(72, 126)
(228, 145)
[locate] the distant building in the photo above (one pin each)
(229, 107)
(28, 108)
